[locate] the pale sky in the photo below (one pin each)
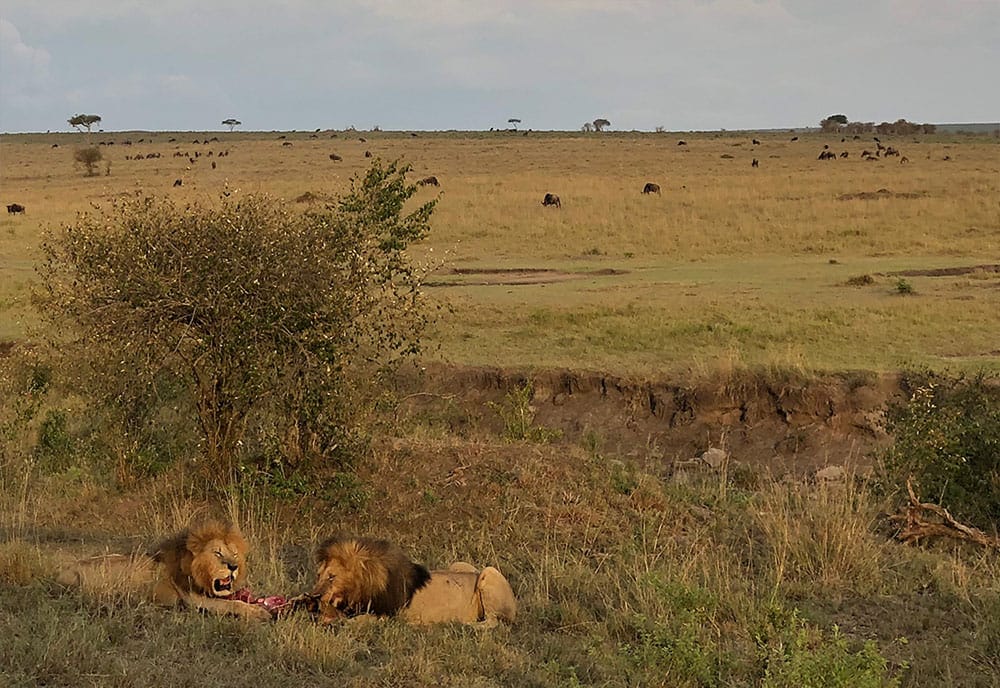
(471, 64)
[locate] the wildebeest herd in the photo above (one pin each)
(549, 200)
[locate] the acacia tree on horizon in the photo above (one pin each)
(600, 123)
(232, 122)
(84, 121)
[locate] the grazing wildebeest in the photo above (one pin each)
(651, 188)
(795, 138)
(213, 164)
(844, 154)
(55, 145)
(362, 139)
(866, 154)
(682, 143)
(413, 134)
(286, 143)
(335, 157)
(15, 208)
(552, 199)
(429, 181)
(755, 142)
(178, 182)
(903, 159)
(755, 163)
(827, 155)
(368, 154)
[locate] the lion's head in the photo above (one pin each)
(364, 576)
(208, 559)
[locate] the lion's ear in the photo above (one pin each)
(325, 550)
(195, 541)
(170, 549)
(418, 578)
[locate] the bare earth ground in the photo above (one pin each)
(586, 357)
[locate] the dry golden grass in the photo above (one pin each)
(730, 260)
(624, 579)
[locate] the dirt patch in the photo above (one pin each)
(876, 195)
(509, 276)
(948, 272)
(784, 425)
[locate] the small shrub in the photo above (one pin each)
(55, 445)
(903, 287)
(860, 281)
(682, 646)
(796, 656)
(89, 157)
(518, 417)
(946, 435)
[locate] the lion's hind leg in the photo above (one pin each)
(496, 598)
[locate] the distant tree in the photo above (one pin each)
(231, 122)
(587, 127)
(81, 122)
(833, 123)
(85, 121)
(660, 129)
(513, 121)
(89, 157)
(600, 123)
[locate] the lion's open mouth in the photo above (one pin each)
(223, 587)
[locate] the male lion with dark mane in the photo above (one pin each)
(358, 576)
(201, 567)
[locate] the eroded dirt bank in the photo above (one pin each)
(784, 423)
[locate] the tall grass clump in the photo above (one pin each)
(820, 533)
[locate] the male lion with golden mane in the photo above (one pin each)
(201, 567)
(359, 576)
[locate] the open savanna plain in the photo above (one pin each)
(579, 358)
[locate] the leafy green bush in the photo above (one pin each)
(265, 315)
(684, 645)
(55, 444)
(797, 656)
(946, 435)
